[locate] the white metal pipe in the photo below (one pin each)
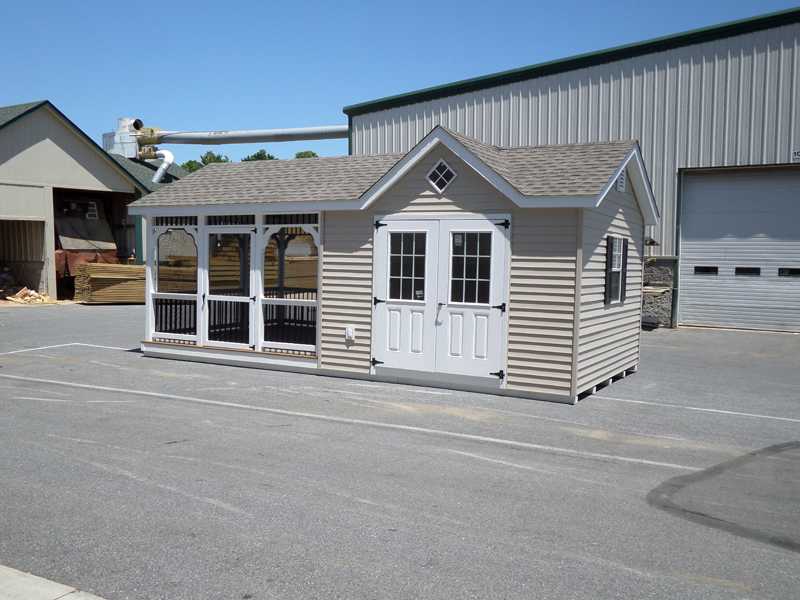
(328, 132)
(167, 158)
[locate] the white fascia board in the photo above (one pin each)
(644, 191)
(641, 184)
(558, 202)
(435, 137)
(248, 208)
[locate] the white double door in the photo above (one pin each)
(440, 296)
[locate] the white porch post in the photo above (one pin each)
(320, 251)
(202, 280)
(257, 269)
(149, 321)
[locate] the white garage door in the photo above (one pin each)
(740, 249)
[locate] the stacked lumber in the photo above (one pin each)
(100, 283)
(179, 277)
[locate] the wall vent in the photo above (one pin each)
(622, 182)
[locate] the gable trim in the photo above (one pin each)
(642, 190)
(436, 137)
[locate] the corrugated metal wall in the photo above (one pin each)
(22, 249)
(727, 102)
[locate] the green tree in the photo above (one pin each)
(306, 154)
(260, 155)
(190, 166)
(206, 159)
(212, 157)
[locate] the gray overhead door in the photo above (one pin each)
(740, 249)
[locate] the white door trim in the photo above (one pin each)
(503, 281)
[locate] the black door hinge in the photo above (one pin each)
(379, 224)
(252, 346)
(506, 224)
(376, 301)
(499, 374)
(502, 307)
(375, 362)
(254, 230)
(252, 298)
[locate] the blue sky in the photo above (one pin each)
(197, 65)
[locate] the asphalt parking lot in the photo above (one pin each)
(133, 477)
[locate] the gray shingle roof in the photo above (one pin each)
(544, 171)
(558, 170)
(266, 181)
(144, 170)
(9, 113)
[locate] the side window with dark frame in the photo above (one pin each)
(616, 269)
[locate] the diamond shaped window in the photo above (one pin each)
(441, 175)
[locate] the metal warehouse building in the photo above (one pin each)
(717, 115)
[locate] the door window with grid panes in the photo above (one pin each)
(407, 265)
(470, 271)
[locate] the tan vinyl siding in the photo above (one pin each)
(542, 284)
(346, 290)
(609, 335)
(541, 308)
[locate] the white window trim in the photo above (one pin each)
(388, 295)
(447, 185)
(614, 239)
(450, 277)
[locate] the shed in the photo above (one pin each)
(516, 271)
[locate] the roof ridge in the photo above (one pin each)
(285, 161)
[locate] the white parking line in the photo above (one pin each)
(62, 346)
(99, 346)
(549, 472)
(34, 349)
(699, 409)
(41, 399)
(378, 424)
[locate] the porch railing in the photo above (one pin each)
(290, 318)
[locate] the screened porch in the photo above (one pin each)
(243, 282)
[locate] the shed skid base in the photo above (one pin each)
(260, 360)
(605, 382)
